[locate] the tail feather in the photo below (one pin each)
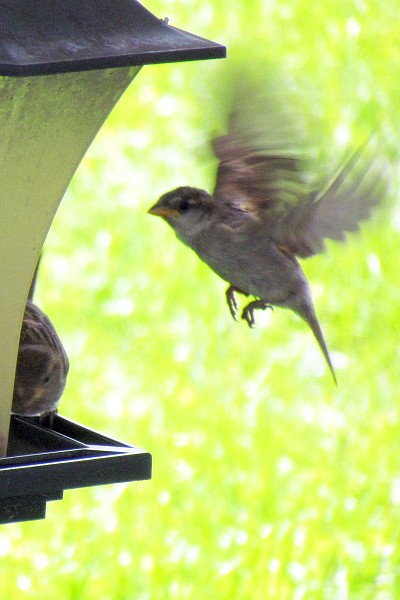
(308, 314)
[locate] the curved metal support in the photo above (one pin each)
(46, 125)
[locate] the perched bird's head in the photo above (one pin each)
(186, 209)
(40, 380)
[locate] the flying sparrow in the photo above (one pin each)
(265, 210)
(42, 367)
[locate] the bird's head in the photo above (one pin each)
(186, 209)
(40, 380)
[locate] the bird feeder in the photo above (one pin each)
(63, 65)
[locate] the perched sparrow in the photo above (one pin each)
(264, 212)
(42, 367)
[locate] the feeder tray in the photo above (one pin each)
(53, 460)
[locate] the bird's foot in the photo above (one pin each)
(231, 300)
(248, 311)
(47, 419)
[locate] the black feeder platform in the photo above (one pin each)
(63, 66)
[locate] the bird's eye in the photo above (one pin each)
(184, 205)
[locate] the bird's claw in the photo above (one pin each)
(231, 300)
(248, 311)
(47, 419)
(248, 316)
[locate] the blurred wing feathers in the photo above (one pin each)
(265, 171)
(263, 156)
(337, 209)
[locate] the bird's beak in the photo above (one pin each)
(163, 211)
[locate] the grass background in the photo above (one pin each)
(268, 481)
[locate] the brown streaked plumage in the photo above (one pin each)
(42, 367)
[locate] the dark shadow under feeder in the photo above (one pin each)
(63, 66)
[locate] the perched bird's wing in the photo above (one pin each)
(32, 325)
(37, 330)
(263, 159)
(337, 208)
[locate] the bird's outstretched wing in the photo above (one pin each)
(263, 158)
(359, 185)
(265, 170)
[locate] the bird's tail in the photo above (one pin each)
(307, 312)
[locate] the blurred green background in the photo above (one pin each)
(268, 481)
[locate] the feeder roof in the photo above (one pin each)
(54, 36)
